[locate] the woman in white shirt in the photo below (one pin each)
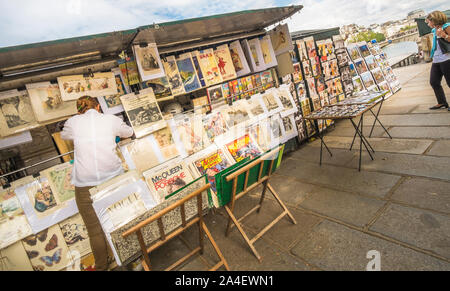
(94, 137)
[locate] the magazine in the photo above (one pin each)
(242, 148)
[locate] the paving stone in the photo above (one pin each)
(378, 131)
(424, 229)
(394, 108)
(291, 191)
(404, 164)
(349, 180)
(413, 146)
(331, 246)
(440, 148)
(312, 154)
(425, 108)
(442, 132)
(407, 120)
(424, 193)
(350, 208)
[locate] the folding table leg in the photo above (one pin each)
(376, 119)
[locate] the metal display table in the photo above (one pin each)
(336, 112)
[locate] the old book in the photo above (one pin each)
(238, 57)
(148, 62)
(143, 112)
(188, 74)
(47, 102)
(76, 86)
(168, 178)
(225, 63)
(173, 75)
(16, 113)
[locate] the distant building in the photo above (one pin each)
(416, 14)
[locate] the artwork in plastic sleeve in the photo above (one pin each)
(254, 107)
(267, 79)
(301, 128)
(238, 58)
(167, 179)
(225, 63)
(191, 131)
(209, 67)
(276, 130)
(122, 210)
(173, 75)
(256, 52)
(310, 47)
(378, 75)
(112, 104)
(361, 67)
(268, 53)
(47, 250)
(235, 114)
(312, 87)
(242, 148)
(14, 258)
(161, 88)
(188, 74)
(358, 85)
(315, 67)
(14, 225)
(297, 75)
(214, 125)
(271, 104)
(286, 99)
(370, 61)
(76, 86)
(59, 178)
(143, 112)
(129, 70)
(226, 91)
(281, 39)
(301, 90)
(216, 96)
(75, 235)
(16, 114)
(166, 143)
(343, 59)
(307, 69)
(196, 63)
(302, 50)
(364, 49)
(148, 62)
(290, 129)
(47, 103)
(140, 154)
(353, 51)
(348, 87)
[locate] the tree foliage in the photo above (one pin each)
(367, 36)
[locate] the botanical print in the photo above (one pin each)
(166, 144)
(47, 102)
(14, 225)
(74, 87)
(188, 74)
(120, 212)
(47, 250)
(148, 61)
(16, 114)
(173, 75)
(76, 235)
(59, 178)
(225, 63)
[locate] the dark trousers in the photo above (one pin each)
(438, 71)
(97, 238)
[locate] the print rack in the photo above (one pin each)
(185, 224)
(244, 179)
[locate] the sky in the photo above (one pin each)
(31, 21)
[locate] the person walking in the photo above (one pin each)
(94, 137)
(441, 59)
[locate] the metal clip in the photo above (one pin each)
(143, 44)
(89, 74)
(36, 175)
(6, 186)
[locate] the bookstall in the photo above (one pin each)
(202, 96)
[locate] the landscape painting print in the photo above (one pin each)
(47, 102)
(16, 114)
(148, 62)
(74, 87)
(188, 74)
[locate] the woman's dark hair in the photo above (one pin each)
(85, 103)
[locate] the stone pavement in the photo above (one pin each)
(398, 205)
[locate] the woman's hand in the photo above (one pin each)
(441, 33)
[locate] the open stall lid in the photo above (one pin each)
(319, 34)
(78, 50)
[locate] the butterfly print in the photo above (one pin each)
(52, 243)
(32, 254)
(56, 258)
(32, 239)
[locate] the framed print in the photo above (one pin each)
(76, 86)
(238, 57)
(16, 113)
(225, 63)
(47, 103)
(173, 75)
(148, 62)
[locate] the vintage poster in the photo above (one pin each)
(167, 179)
(190, 130)
(47, 250)
(271, 103)
(112, 104)
(166, 144)
(286, 99)
(281, 39)
(196, 63)
(310, 47)
(238, 57)
(269, 57)
(47, 102)
(140, 154)
(76, 86)
(76, 236)
(256, 53)
(148, 62)
(129, 70)
(14, 258)
(361, 66)
(242, 148)
(290, 129)
(143, 112)
(188, 74)
(302, 50)
(161, 88)
(214, 125)
(173, 75)
(14, 225)
(16, 114)
(225, 63)
(209, 67)
(234, 115)
(297, 75)
(215, 95)
(59, 178)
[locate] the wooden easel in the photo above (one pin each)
(164, 238)
(261, 180)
